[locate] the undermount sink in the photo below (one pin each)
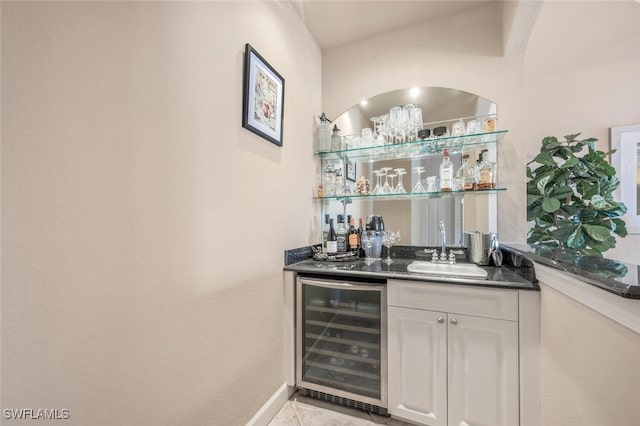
(461, 270)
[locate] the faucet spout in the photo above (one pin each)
(444, 239)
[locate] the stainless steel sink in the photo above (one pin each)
(462, 270)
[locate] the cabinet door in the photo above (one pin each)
(483, 371)
(417, 355)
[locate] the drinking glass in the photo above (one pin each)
(389, 238)
(415, 123)
(392, 189)
(378, 188)
(418, 188)
(367, 137)
(431, 184)
(367, 240)
(386, 188)
(399, 189)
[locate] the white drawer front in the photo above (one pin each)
(467, 300)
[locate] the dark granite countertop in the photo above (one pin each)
(616, 277)
(507, 276)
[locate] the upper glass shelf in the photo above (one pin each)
(410, 195)
(430, 146)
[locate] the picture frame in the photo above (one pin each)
(350, 167)
(626, 160)
(263, 97)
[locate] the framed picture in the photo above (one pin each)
(350, 167)
(626, 141)
(263, 97)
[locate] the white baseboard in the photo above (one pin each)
(272, 406)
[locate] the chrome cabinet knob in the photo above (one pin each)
(440, 320)
(453, 321)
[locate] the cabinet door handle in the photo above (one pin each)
(453, 321)
(440, 320)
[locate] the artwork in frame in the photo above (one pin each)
(263, 97)
(350, 167)
(626, 141)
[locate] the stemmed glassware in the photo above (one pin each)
(399, 189)
(389, 238)
(386, 188)
(392, 188)
(378, 188)
(418, 188)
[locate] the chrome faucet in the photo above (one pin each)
(443, 254)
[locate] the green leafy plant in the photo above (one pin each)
(570, 198)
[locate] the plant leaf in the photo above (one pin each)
(550, 205)
(542, 183)
(597, 232)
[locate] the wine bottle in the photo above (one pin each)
(342, 235)
(332, 241)
(446, 172)
(353, 236)
(325, 232)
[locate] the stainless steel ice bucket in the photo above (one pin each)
(480, 245)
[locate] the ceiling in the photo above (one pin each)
(336, 22)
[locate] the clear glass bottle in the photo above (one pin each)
(485, 172)
(329, 181)
(336, 139)
(323, 135)
(342, 235)
(339, 183)
(446, 172)
(467, 173)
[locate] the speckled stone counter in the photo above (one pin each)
(616, 277)
(507, 276)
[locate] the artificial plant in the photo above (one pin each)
(570, 198)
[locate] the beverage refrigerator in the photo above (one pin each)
(341, 341)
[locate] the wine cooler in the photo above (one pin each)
(341, 342)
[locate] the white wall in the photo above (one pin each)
(584, 77)
(587, 362)
(462, 51)
(143, 228)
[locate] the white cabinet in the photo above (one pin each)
(457, 366)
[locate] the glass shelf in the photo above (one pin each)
(410, 196)
(431, 146)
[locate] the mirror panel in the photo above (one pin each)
(418, 220)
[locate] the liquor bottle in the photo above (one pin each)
(446, 172)
(332, 242)
(467, 173)
(486, 172)
(325, 232)
(360, 231)
(323, 135)
(353, 236)
(342, 235)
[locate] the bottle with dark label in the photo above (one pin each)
(332, 241)
(342, 235)
(354, 241)
(325, 232)
(360, 231)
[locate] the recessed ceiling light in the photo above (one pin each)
(414, 92)
(363, 102)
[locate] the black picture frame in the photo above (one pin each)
(262, 98)
(350, 169)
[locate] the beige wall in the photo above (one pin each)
(143, 228)
(462, 51)
(584, 81)
(588, 366)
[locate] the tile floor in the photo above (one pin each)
(304, 411)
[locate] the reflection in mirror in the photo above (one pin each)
(418, 219)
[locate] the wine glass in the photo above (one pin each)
(386, 188)
(399, 189)
(418, 188)
(389, 238)
(392, 176)
(378, 188)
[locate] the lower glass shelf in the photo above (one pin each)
(411, 196)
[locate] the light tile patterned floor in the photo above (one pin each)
(304, 411)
